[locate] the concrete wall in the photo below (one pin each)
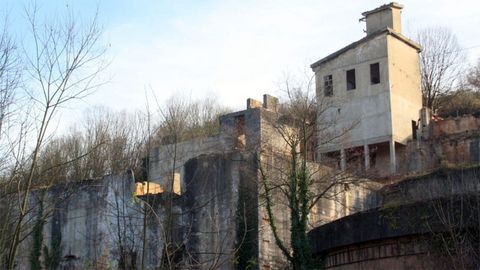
(457, 125)
(275, 166)
(218, 182)
(440, 184)
(457, 140)
(403, 253)
(371, 113)
(405, 88)
(214, 220)
(346, 200)
(217, 175)
(382, 110)
(449, 142)
(397, 234)
(212, 206)
(383, 17)
(234, 135)
(167, 158)
(364, 111)
(336, 203)
(94, 222)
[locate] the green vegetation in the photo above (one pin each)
(37, 238)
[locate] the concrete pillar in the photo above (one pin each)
(252, 103)
(343, 160)
(366, 155)
(393, 158)
(270, 102)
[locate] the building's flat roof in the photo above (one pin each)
(387, 31)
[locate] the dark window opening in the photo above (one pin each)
(331, 159)
(373, 156)
(414, 130)
(375, 73)
(240, 131)
(328, 86)
(351, 79)
(354, 159)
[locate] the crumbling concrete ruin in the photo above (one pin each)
(94, 224)
(428, 166)
(204, 203)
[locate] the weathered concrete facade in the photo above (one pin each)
(222, 190)
(375, 86)
(219, 179)
(216, 202)
(94, 224)
(218, 221)
(451, 142)
(397, 232)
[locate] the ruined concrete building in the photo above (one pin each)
(205, 206)
(417, 219)
(375, 83)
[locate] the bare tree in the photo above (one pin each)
(458, 103)
(296, 133)
(9, 74)
(183, 122)
(11, 148)
(441, 62)
(10, 79)
(473, 77)
(109, 142)
(452, 218)
(63, 65)
(106, 143)
(173, 130)
(458, 242)
(183, 118)
(289, 178)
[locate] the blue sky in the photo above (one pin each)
(231, 49)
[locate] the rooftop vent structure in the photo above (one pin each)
(386, 16)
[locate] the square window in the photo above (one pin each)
(351, 79)
(328, 85)
(375, 73)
